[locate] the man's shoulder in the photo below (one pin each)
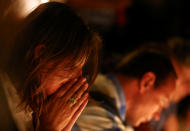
(103, 84)
(96, 117)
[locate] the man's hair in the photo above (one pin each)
(180, 50)
(146, 59)
(65, 35)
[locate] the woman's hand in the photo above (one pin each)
(64, 107)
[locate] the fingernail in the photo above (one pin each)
(83, 79)
(86, 86)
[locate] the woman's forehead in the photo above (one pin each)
(71, 63)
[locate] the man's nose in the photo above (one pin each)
(164, 102)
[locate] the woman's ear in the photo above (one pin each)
(38, 50)
(147, 82)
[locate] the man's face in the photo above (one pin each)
(59, 75)
(147, 106)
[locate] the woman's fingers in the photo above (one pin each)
(79, 102)
(63, 89)
(67, 103)
(80, 92)
(76, 115)
(74, 88)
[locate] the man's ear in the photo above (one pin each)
(38, 50)
(147, 82)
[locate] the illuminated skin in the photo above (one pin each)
(61, 84)
(53, 80)
(143, 100)
(181, 91)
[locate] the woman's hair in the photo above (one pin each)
(65, 35)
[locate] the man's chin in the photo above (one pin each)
(140, 121)
(137, 123)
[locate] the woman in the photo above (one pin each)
(54, 60)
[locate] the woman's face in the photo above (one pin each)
(58, 76)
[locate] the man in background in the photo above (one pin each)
(140, 87)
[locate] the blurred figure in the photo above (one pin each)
(183, 114)
(180, 56)
(141, 86)
(178, 49)
(95, 4)
(104, 16)
(6, 121)
(53, 61)
(108, 18)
